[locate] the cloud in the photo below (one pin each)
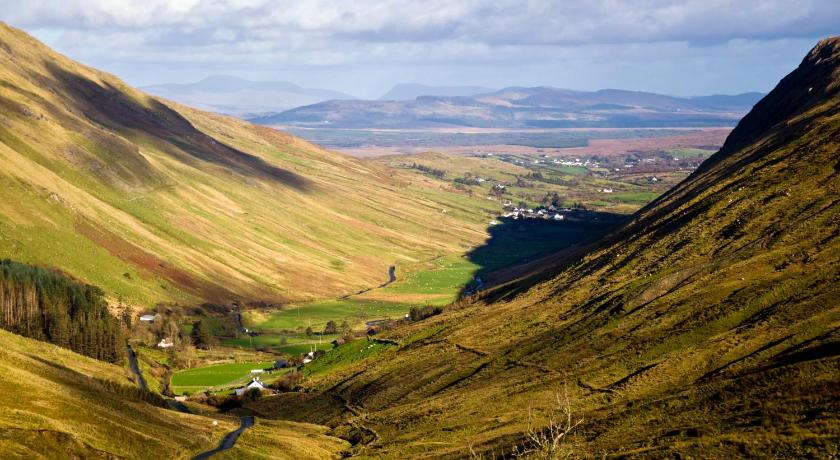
(490, 22)
(293, 34)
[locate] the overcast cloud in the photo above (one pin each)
(364, 47)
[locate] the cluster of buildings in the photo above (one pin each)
(552, 213)
(575, 162)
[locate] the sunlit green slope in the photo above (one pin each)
(157, 202)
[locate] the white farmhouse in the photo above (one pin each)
(255, 383)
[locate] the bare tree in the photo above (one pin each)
(553, 441)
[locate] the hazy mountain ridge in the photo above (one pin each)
(408, 91)
(518, 107)
(240, 97)
(707, 326)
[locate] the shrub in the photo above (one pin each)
(420, 313)
(224, 403)
(252, 395)
(288, 382)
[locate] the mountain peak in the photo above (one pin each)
(815, 82)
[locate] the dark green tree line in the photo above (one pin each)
(48, 306)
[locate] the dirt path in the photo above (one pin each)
(229, 440)
(135, 368)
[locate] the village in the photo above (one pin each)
(550, 213)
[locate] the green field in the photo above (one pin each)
(345, 355)
(282, 330)
(198, 379)
(636, 198)
(573, 170)
(285, 342)
(689, 153)
(439, 282)
(317, 314)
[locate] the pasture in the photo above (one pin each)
(201, 378)
(297, 317)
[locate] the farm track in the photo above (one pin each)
(135, 368)
(229, 440)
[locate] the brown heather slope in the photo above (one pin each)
(708, 326)
(153, 201)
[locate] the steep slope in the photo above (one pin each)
(709, 326)
(157, 202)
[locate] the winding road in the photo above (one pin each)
(229, 440)
(135, 368)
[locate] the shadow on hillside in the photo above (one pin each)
(514, 242)
(113, 108)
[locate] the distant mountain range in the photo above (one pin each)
(518, 107)
(409, 91)
(240, 97)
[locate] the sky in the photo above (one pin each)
(363, 47)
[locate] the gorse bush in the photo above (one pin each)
(48, 306)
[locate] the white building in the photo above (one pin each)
(255, 383)
(148, 318)
(309, 357)
(165, 342)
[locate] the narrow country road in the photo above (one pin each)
(135, 368)
(229, 440)
(392, 276)
(237, 318)
(178, 405)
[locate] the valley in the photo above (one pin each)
(588, 282)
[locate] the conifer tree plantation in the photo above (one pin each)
(48, 306)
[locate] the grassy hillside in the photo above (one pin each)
(59, 404)
(707, 326)
(153, 201)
